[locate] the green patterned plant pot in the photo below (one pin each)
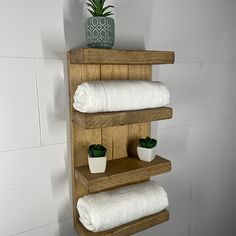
(100, 32)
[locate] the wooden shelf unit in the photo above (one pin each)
(117, 131)
(121, 172)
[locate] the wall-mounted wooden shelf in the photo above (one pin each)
(128, 229)
(121, 172)
(108, 119)
(117, 131)
(122, 57)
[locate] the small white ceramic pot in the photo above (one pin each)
(146, 154)
(97, 164)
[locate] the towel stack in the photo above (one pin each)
(106, 210)
(119, 95)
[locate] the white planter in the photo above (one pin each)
(97, 164)
(146, 154)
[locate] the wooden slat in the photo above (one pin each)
(108, 119)
(128, 229)
(122, 172)
(115, 139)
(124, 57)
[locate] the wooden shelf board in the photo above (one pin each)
(114, 56)
(121, 172)
(108, 119)
(128, 229)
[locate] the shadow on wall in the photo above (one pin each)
(132, 20)
(59, 181)
(58, 114)
(53, 44)
(73, 16)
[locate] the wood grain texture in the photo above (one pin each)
(122, 172)
(108, 119)
(123, 57)
(128, 229)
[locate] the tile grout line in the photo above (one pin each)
(38, 102)
(33, 147)
(41, 226)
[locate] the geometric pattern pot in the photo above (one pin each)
(100, 32)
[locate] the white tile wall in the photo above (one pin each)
(197, 151)
(222, 227)
(173, 144)
(19, 123)
(32, 28)
(179, 214)
(62, 228)
(213, 202)
(53, 100)
(212, 148)
(136, 38)
(199, 92)
(34, 188)
(200, 30)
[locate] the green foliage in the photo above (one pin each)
(97, 8)
(147, 142)
(97, 150)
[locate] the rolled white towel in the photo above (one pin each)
(106, 210)
(119, 95)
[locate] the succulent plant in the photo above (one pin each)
(97, 150)
(97, 8)
(147, 142)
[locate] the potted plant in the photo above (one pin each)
(97, 158)
(100, 28)
(147, 149)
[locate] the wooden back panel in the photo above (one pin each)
(120, 141)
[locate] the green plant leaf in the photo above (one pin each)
(96, 150)
(108, 13)
(96, 8)
(90, 5)
(102, 3)
(105, 8)
(147, 142)
(92, 13)
(93, 3)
